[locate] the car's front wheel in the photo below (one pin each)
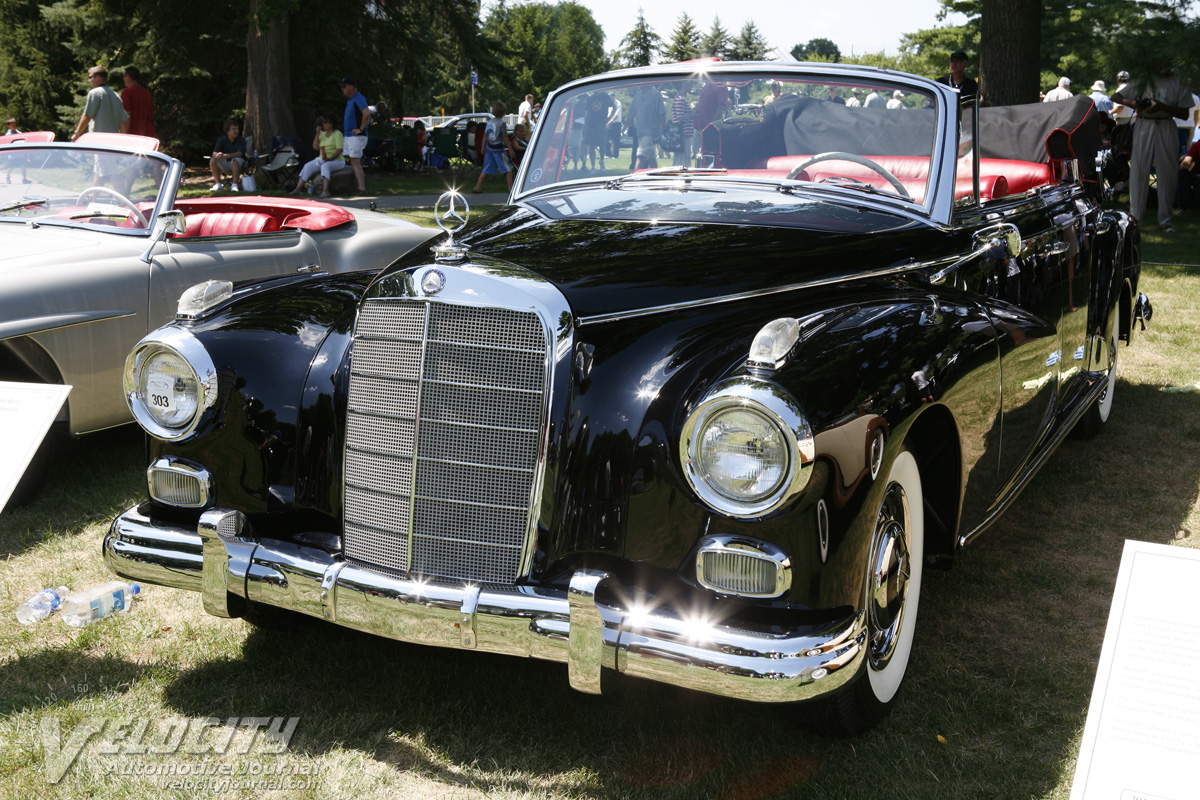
(893, 590)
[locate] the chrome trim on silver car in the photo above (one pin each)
(585, 627)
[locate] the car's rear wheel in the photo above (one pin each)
(1096, 417)
(893, 591)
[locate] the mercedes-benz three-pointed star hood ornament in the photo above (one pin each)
(446, 215)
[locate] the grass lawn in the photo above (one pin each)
(994, 706)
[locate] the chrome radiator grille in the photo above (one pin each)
(443, 435)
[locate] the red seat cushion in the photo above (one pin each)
(229, 223)
(1021, 175)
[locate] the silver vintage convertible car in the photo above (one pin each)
(703, 421)
(95, 250)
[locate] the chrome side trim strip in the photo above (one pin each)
(617, 316)
(573, 627)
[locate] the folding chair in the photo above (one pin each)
(280, 168)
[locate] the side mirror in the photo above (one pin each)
(173, 222)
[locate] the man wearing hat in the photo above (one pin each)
(853, 101)
(1060, 92)
(103, 111)
(897, 100)
(354, 128)
(1100, 97)
(958, 75)
(1121, 112)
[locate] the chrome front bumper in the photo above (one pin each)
(572, 626)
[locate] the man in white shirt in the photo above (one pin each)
(1060, 92)
(1187, 126)
(897, 100)
(1121, 113)
(525, 110)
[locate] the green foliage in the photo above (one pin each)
(715, 43)
(817, 50)
(639, 45)
(685, 41)
(540, 47)
(750, 45)
(1082, 39)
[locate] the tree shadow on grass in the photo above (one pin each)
(91, 479)
(1007, 646)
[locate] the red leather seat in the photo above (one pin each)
(229, 223)
(1021, 175)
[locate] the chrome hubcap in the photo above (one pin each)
(891, 564)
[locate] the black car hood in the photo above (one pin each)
(613, 260)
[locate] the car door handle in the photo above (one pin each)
(1056, 249)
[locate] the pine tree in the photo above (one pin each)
(716, 43)
(640, 44)
(750, 44)
(685, 41)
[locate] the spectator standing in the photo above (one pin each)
(354, 127)
(497, 144)
(614, 128)
(957, 78)
(776, 89)
(1122, 114)
(229, 155)
(852, 101)
(1060, 92)
(874, 100)
(10, 126)
(525, 110)
(1159, 100)
(682, 116)
(897, 100)
(138, 103)
(649, 117)
(1100, 97)
(328, 145)
(102, 110)
(597, 109)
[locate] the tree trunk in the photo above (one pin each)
(269, 78)
(1010, 41)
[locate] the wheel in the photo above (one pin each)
(892, 596)
(1095, 418)
(866, 162)
(120, 198)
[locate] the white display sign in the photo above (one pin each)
(27, 410)
(1142, 736)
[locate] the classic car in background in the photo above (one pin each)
(705, 424)
(95, 250)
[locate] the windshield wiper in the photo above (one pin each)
(26, 203)
(97, 214)
(660, 171)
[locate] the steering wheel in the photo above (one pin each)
(836, 155)
(120, 198)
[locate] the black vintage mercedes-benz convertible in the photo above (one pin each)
(703, 417)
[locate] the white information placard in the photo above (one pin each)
(1142, 736)
(26, 412)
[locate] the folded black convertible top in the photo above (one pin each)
(1028, 132)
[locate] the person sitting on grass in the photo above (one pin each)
(497, 149)
(328, 144)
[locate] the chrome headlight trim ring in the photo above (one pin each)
(772, 402)
(182, 343)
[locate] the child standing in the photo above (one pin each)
(497, 145)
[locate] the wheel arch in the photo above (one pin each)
(934, 441)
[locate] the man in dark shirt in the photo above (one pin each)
(229, 155)
(958, 75)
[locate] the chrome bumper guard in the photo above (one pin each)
(573, 626)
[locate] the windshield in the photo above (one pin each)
(854, 132)
(79, 186)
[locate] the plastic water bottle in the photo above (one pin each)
(41, 605)
(310, 187)
(86, 607)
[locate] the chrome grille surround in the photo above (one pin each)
(447, 424)
(743, 566)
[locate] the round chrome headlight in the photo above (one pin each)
(169, 381)
(747, 449)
